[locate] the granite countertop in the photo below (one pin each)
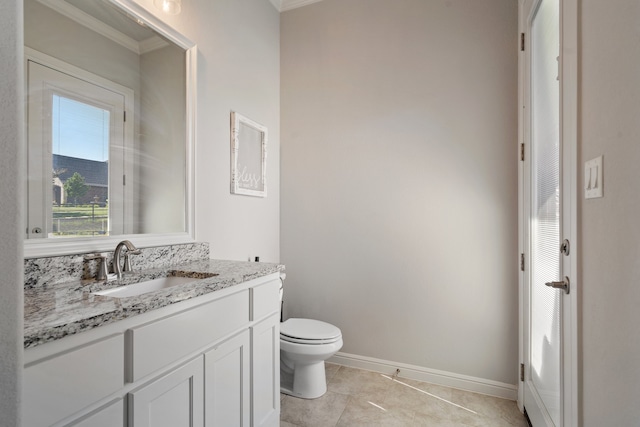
(53, 312)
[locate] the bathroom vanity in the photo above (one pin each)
(201, 353)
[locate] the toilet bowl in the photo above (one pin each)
(304, 346)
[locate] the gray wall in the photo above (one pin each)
(161, 141)
(11, 158)
(399, 179)
(56, 35)
(610, 227)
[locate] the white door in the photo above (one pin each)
(74, 126)
(547, 304)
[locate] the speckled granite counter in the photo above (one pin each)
(55, 311)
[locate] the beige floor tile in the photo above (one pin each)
(360, 383)
(440, 391)
(361, 398)
(361, 412)
(407, 394)
(330, 370)
(502, 411)
(324, 411)
(457, 415)
(435, 421)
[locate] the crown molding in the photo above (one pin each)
(91, 23)
(284, 5)
(277, 4)
(103, 29)
(151, 44)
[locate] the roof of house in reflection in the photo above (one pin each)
(94, 173)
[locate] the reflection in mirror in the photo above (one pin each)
(108, 142)
(81, 138)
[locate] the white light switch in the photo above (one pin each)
(593, 184)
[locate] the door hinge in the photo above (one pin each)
(522, 372)
(522, 42)
(124, 116)
(521, 262)
(124, 179)
(522, 152)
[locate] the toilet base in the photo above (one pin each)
(307, 382)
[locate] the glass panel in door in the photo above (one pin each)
(545, 345)
(77, 155)
(80, 154)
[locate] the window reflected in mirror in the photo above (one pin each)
(81, 140)
(77, 153)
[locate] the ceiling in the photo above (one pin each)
(114, 18)
(284, 5)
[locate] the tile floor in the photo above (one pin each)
(361, 398)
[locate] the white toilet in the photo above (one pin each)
(304, 346)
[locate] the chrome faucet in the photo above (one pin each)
(131, 250)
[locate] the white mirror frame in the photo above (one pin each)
(53, 247)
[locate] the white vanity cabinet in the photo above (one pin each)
(227, 385)
(176, 399)
(64, 383)
(265, 360)
(158, 343)
(265, 347)
(113, 415)
(212, 360)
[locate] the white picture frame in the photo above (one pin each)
(248, 156)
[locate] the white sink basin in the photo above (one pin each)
(144, 287)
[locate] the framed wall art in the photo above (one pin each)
(248, 156)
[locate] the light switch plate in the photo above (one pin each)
(593, 183)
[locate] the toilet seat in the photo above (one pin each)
(309, 331)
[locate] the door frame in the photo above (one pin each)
(570, 193)
(129, 144)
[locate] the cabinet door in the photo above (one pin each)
(265, 369)
(227, 383)
(110, 416)
(174, 400)
(60, 386)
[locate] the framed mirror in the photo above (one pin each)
(110, 127)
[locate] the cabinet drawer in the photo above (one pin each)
(265, 299)
(156, 344)
(62, 385)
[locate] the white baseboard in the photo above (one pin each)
(433, 376)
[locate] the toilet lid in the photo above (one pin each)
(309, 331)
